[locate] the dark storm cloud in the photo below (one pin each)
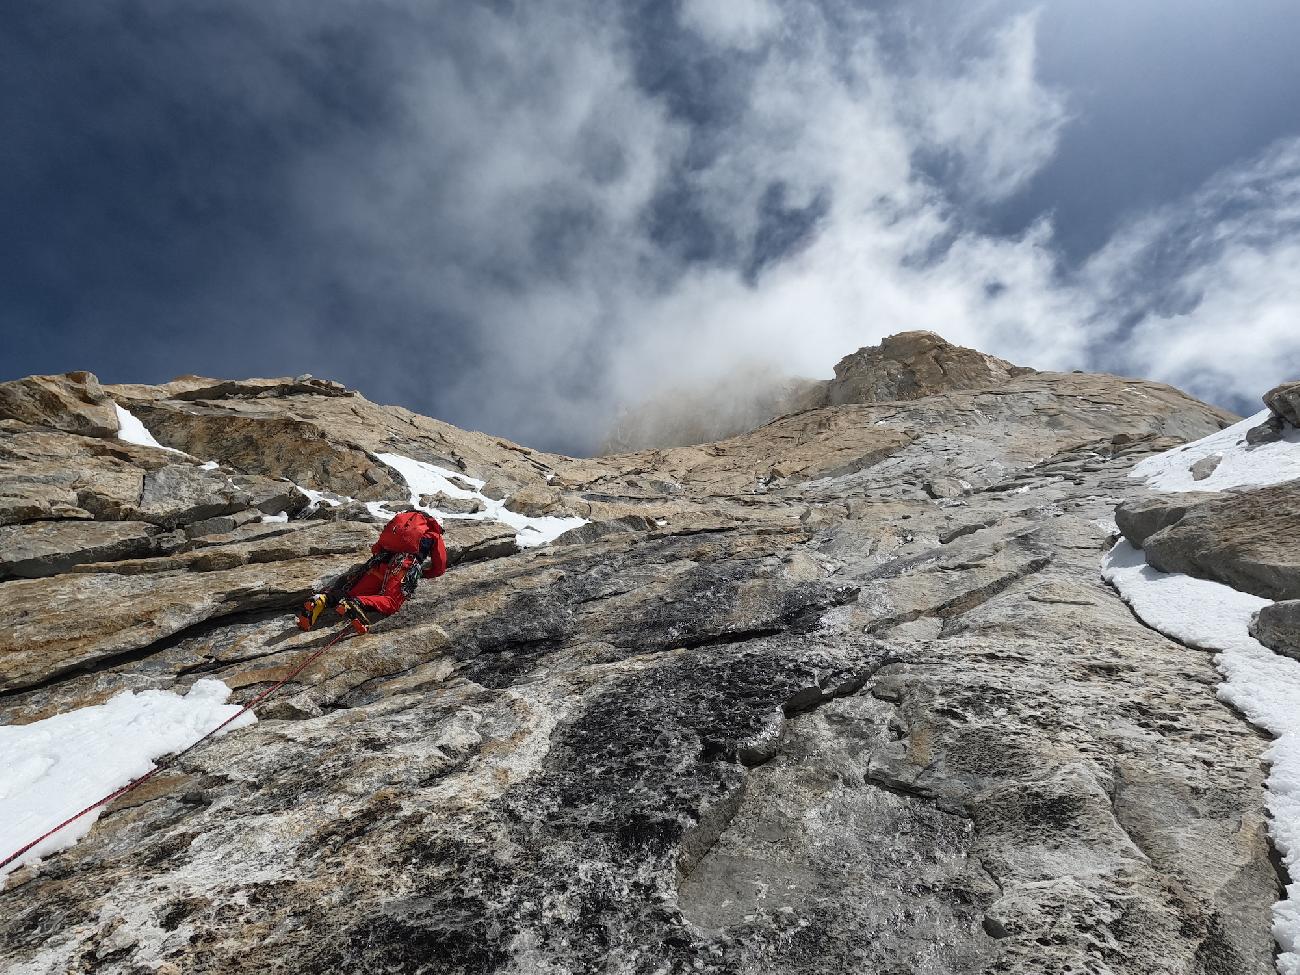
(515, 216)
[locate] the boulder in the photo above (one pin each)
(181, 493)
(534, 502)
(452, 506)
(1284, 400)
(1266, 432)
(271, 496)
(222, 524)
(1206, 466)
(347, 511)
(74, 402)
(27, 496)
(1246, 539)
(1278, 626)
(494, 490)
(476, 541)
(1144, 516)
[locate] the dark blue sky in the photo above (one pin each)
(510, 217)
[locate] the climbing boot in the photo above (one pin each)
(351, 610)
(311, 611)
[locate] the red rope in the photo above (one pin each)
(136, 783)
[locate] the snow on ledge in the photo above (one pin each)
(56, 767)
(1242, 465)
(423, 478)
(133, 431)
(1262, 685)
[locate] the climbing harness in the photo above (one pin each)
(173, 759)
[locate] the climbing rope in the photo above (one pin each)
(175, 757)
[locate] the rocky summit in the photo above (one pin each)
(844, 692)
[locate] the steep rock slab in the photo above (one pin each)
(585, 756)
(821, 443)
(475, 541)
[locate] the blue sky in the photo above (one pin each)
(519, 217)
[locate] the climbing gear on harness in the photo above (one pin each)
(311, 611)
(168, 762)
(351, 610)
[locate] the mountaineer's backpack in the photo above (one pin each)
(407, 533)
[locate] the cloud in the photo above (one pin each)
(735, 23)
(1205, 293)
(521, 218)
(606, 233)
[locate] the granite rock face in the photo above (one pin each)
(841, 693)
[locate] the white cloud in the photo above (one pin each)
(735, 23)
(1214, 282)
(511, 196)
(994, 113)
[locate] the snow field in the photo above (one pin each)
(1262, 685)
(56, 767)
(1242, 465)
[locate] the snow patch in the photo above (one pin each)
(423, 478)
(318, 498)
(130, 429)
(1262, 685)
(1243, 465)
(279, 519)
(56, 767)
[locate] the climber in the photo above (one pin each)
(410, 546)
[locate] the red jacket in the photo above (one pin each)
(384, 587)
